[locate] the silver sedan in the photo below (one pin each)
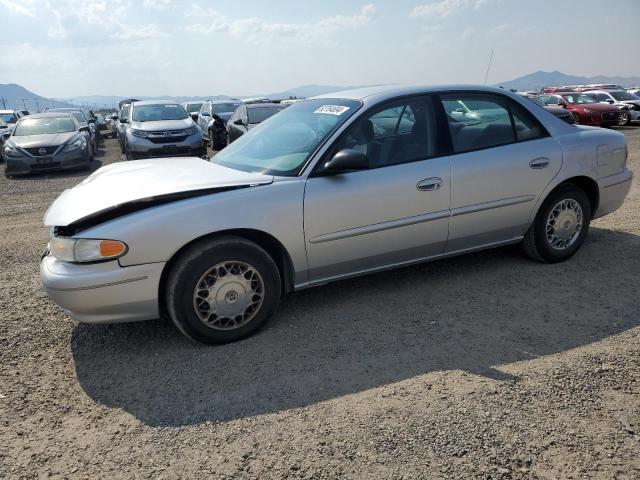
(329, 188)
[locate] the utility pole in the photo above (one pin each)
(4, 102)
(37, 104)
(24, 104)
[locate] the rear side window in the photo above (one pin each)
(479, 121)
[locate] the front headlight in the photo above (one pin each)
(191, 130)
(12, 151)
(83, 250)
(79, 142)
(139, 133)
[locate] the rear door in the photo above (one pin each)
(502, 160)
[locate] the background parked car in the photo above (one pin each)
(159, 128)
(45, 142)
(82, 117)
(628, 103)
(558, 111)
(192, 107)
(212, 120)
(5, 133)
(11, 117)
(121, 124)
(248, 116)
(585, 110)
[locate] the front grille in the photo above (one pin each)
(170, 139)
(45, 166)
(36, 151)
(610, 116)
(167, 152)
(167, 136)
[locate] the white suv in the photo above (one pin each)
(627, 102)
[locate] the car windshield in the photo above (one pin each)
(41, 126)
(124, 113)
(260, 114)
(3, 124)
(193, 107)
(578, 98)
(282, 144)
(224, 107)
(158, 111)
(621, 96)
(9, 117)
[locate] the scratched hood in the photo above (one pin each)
(139, 181)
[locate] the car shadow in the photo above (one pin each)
(473, 313)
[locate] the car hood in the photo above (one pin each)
(159, 125)
(46, 140)
(144, 182)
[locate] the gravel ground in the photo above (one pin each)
(483, 366)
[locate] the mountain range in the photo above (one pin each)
(16, 96)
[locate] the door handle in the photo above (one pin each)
(540, 162)
(429, 184)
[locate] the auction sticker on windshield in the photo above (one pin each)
(332, 109)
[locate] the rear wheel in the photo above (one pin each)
(560, 227)
(222, 290)
(576, 118)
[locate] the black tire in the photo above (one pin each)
(576, 118)
(127, 153)
(536, 244)
(214, 141)
(193, 263)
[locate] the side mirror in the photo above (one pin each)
(114, 117)
(610, 101)
(346, 160)
(238, 122)
(84, 128)
(92, 120)
(194, 116)
(562, 104)
(124, 120)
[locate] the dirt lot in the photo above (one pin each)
(483, 366)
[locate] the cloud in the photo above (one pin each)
(22, 7)
(260, 30)
(128, 32)
(158, 4)
(445, 8)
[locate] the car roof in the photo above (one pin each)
(8, 111)
(49, 114)
(390, 91)
(155, 102)
(214, 102)
(65, 110)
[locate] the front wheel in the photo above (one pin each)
(560, 226)
(624, 119)
(576, 118)
(222, 290)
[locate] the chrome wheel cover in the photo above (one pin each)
(228, 295)
(624, 118)
(564, 224)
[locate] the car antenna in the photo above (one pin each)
(486, 75)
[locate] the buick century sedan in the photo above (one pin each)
(329, 188)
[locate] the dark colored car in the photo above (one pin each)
(559, 112)
(45, 142)
(83, 118)
(212, 120)
(584, 109)
(5, 133)
(248, 116)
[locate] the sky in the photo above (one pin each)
(67, 48)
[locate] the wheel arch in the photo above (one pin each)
(588, 185)
(268, 242)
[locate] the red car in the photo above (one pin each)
(584, 109)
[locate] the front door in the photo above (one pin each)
(395, 212)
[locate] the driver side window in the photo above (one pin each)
(400, 132)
